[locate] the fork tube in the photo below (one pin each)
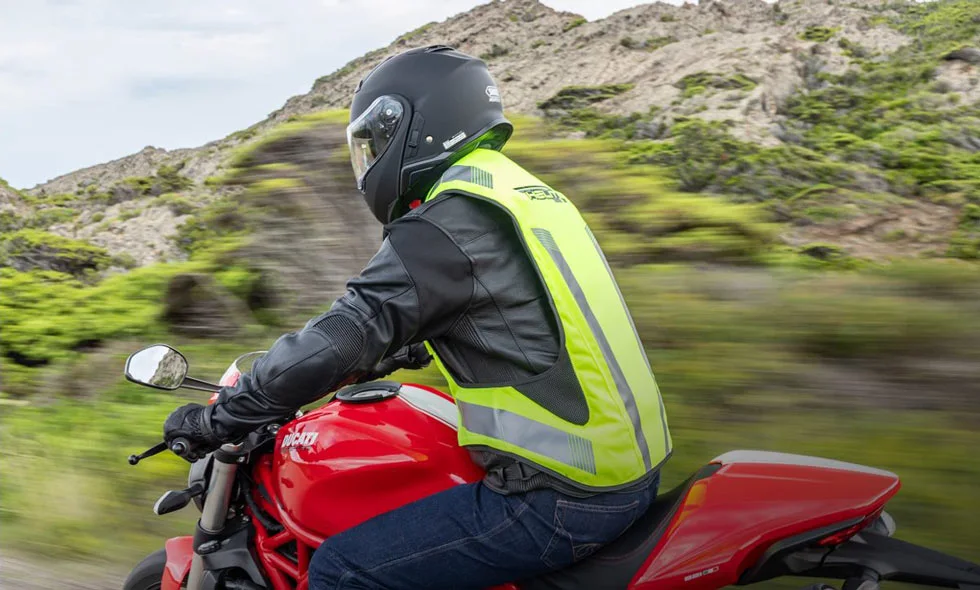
(215, 509)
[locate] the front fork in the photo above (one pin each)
(215, 510)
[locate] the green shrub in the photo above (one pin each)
(574, 23)
(129, 214)
(49, 216)
(169, 179)
(701, 153)
(29, 249)
(965, 243)
(694, 84)
(494, 52)
(177, 204)
(654, 43)
(220, 219)
(577, 97)
(818, 34)
(852, 49)
(630, 43)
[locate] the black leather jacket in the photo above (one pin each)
(452, 272)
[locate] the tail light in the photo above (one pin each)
(843, 535)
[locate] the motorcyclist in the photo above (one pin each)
(499, 275)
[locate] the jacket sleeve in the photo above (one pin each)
(414, 288)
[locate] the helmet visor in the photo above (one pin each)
(369, 135)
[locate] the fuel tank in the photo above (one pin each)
(369, 450)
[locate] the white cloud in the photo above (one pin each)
(85, 81)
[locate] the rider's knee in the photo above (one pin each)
(327, 570)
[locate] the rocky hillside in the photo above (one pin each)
(736, 60)
(655, 48)
(748, 55)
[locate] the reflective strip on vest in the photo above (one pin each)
(639, 343)
(532, 435)
(622, 386)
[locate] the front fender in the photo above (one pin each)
(180, 552)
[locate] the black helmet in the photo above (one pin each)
(413, 116)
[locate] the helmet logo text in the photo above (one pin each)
(493, 94)
(454, 140)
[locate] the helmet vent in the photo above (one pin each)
(438, 48)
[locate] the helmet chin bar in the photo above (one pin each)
(380, 182)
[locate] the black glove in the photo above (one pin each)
(191, 422)
(413, 356)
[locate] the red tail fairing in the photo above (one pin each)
(755, 499)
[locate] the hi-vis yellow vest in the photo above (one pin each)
(595, 417)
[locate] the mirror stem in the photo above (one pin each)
(200, 385)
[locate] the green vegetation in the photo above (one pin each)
(48, 216)
(494, 52)
(651, 44)
(818, 34)
(31, 248)
(699, 83)
(574, 23)
(571, 108)
(167, 179)
(576, 97)
(177, 204)
(966, 241)
(853, 50)
(241, 156)
(637, 213)
(654, 43)
(415, 34)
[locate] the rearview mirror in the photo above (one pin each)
(158, 366)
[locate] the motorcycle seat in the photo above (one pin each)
(613, 566)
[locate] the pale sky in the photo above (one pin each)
(86, 81)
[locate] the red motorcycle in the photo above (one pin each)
(748, 516)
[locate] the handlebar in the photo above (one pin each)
(180, 447)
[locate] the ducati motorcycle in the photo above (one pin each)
(746, 517)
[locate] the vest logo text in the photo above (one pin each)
(542, 193)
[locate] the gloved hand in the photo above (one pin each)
(191, 422)
(413, 356)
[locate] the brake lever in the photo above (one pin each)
(179, 447)
(154, 450)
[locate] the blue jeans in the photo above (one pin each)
(472, 537)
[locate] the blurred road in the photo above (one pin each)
(19, 573)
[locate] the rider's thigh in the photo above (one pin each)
(466, 537)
